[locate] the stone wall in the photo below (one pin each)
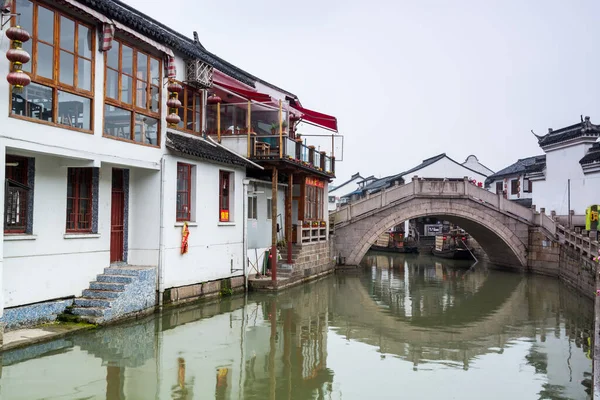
(577, 271)
(310, 262)
(210, 289)
(32, 314)
(543, 253)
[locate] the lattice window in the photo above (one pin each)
(199, 74)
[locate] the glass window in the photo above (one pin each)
(191, 110)
(129, 86)
(62, 53)
(117, 122)
(79, 200)
(224, 189)
(17, 195)
(514, 186)
(269, 208)
(74, 110)
(252, 207)
(184, 192)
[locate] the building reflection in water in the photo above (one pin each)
(416, 310)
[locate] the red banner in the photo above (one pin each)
(185, 233)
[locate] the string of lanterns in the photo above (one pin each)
(173, 103)
(17, 56)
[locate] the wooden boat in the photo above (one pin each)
(391, 242)
(388, 249)
(452, 245)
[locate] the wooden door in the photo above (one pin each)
(117, 217)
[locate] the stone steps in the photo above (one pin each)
(116, 292)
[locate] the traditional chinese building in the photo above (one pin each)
(123, 186)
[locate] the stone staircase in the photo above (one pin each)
(117, 292)
(283, 268)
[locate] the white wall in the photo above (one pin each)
(62, 267)
(445, 168)
(562, 165)
(509, 195)
(213, 245)
(349, 187)
(259, 230)
(473, 163)
(144, 217)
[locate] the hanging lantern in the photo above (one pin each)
(213, 99)
(174, 87)
(17, 56)
(18, 79)
(18, 35)
(173, 119)
(173, 102)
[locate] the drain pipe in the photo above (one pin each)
(161, 241)
(245, 233)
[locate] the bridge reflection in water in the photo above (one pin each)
(411, 327)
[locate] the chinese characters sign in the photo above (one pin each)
(591, 218)
(315, 182)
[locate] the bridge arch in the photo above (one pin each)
(503, 238)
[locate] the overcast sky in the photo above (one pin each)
(409, 79)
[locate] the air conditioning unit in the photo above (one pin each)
(199, 74)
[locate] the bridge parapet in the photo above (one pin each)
(439, 188)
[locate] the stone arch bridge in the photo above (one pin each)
(511, 235)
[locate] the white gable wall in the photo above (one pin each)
(445, 168)
(561, 165)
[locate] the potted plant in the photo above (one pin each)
(315, 224)
(323, 223)
(274, 127)
(284, 125)
(305, 224)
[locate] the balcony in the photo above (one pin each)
(259, 132)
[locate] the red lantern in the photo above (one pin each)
(173, 103)
(18, 79)
(174, 87)
(173, 119)
(18, 56)
(213, 99)
(17, 34)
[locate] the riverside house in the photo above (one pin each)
(116, 199)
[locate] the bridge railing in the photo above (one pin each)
(443, 188)
(582, 242)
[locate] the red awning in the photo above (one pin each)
(256, 96)
(317, 118)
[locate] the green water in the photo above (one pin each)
(402, 328)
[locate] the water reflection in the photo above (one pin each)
(409, 325)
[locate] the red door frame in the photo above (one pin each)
(117, 217)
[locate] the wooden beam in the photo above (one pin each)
(274, 225)
(288, 217)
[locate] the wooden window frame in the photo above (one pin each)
(224, 198)
(12, 181)
(54, 83)
(133, 108)
(313, 203)
(184, 173)
(499, 187)
(187, 109)
(527, 185)
(269, 208)
(514, 184)
(77, 174)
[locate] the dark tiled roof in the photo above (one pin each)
(584, 128)
(355, 176)
(142, 23)
(523, 202)
(200, 148)
(425, 163)
(593, 155)
(522, 166)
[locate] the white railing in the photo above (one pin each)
(443, 188)
(581, 241)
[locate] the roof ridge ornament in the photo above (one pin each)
(537, 136)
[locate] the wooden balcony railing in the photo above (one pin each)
(283, 147)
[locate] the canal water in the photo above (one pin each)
(404, 327)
